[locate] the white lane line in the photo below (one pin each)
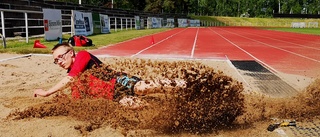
(115, 44)
(194, 43)
(276, 72)
(277, 48)
(23, 56)
(282, 41)
(47, 55)
(184, 58)
(156, 43)
(272, 69)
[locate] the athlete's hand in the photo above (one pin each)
(40, 92)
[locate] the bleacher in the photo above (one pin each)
(15, 21)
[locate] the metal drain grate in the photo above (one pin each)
(305, 129)
(263, 80)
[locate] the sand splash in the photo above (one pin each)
(210, 101)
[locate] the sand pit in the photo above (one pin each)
(228, 110)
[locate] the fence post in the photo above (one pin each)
(2, 24)
(131, 24)
(109, 24)
(3, 41)
(72, 24)
(115, 24)
(126, 24)
(121, 23)
(26, 23)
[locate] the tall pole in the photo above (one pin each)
(2, 24)
(279, 7)
(112, 4)
(26, 24)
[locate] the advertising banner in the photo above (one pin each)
(160, 21)
(96, 23)
(52, 22)
(149, 23)
(170, 23)
(137, 22)
(79, 26)
(182, 23)
(142, 23)
(88, 22)
(154, 22)
(104, 20)
(194, 23)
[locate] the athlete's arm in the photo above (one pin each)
(54, 89)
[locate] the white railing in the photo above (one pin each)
(124, 23)
(116, 22)
(26, 27)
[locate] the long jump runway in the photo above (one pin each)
(256, 54)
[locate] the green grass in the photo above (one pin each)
(314, 31)
(20, 46)
(255, 22)
(278, 24)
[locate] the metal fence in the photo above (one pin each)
(24, 27)
(288, 24)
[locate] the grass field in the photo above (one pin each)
(21, 47)
(256, 22)
(315, 31)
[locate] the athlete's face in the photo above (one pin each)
(63, 57)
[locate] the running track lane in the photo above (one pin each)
(304, 40)
(211, 45)
(305, 48)
(179, 46)
(280, 56)
(134, 46)
(288, 55)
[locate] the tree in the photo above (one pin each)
(169, 6)
(296, 8)
(154, 6)
(314, 6)
(89, 2)
(254, 8)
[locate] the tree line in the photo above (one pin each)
(232, 8)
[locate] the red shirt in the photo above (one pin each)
(92, 86)
(83, 61)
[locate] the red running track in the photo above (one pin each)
(281, 51)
